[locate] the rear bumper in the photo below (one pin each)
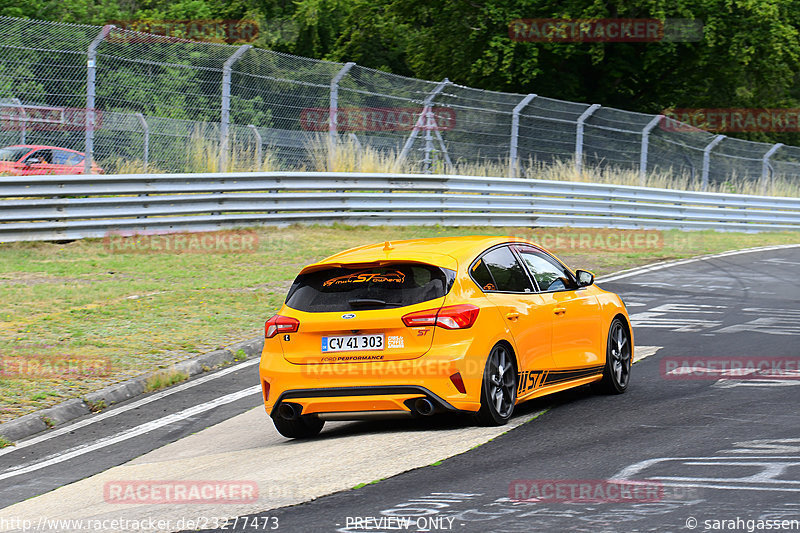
(396, 398)
(380, 386)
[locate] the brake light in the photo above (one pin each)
(450, 317)
(280, 324)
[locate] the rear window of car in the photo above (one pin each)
(12, 153)
(379, 287)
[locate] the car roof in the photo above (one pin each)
(39, 146)
(446, 252)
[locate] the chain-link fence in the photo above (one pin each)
(142, 102)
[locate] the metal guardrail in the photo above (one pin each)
(74, 207)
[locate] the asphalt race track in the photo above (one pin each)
(722, 448)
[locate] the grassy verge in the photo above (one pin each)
(164, 379)
(130, 313)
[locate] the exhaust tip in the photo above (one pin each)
(423, 406)
(288, 411)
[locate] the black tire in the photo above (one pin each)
(617, 370)
(304, 427)
(499, 388)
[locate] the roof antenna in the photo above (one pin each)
(387, 246)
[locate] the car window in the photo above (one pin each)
(550, 275)
(62, 157)
(74, 159)
(44, 156)
(379, 287)
(482, 276)
(506, 272)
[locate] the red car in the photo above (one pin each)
(32, 159)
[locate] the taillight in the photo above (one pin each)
(280, 324)
(420, 318)
(450, 317)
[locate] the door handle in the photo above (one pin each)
(512, 316)
(560, 310)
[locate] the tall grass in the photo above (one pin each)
(564, 170)
(350, 156)
(203, 155)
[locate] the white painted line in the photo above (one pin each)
(83, 449)
(732, 383)
(667, 264)
(777, 446)
(763, 488)
(122, 409)
(632, 471)
(642, 352)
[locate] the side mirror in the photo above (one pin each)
(32, 161)
(585, 278)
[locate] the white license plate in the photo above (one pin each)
(352, 343)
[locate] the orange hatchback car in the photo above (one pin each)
(417, 327)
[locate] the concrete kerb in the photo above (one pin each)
(33, 423)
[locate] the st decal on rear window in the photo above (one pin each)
(366, 276)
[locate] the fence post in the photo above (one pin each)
(579, 136)
(23, 115)
(356, 142)
(430, 123)
(645, 146)
(333, 114)
(433, 126)
(439, 137)
(225, 117)
(146, 130)
(707, 159)
(426, 105)
(513, 160)
(765, 165)
(257, 135)
(91, 58)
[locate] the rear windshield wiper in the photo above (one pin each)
(370, 302)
